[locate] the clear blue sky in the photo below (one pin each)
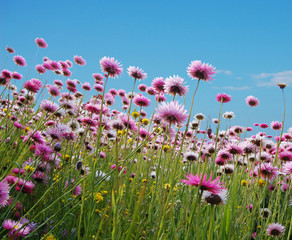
(249, 42)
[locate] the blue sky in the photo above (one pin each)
(249, 43)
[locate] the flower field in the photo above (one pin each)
(75, 166)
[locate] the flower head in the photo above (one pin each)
(175, 85)
(136, 73)
(4, 193)
(110, 66)
(41, 42)
(252, 101)
(197, 70)
(141, 101)
(275, 229)
(213, 186)
(79, 60)
(222, 97)
(215, 199)
(172, 112)
(19, 60)
(158, 84)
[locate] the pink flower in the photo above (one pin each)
(79, 60)
(275, 125)
(40, 69)
(275, 229)
(213, 186)
(4, 193)
(252, 101)
(141, 101)
(175, 85)
(172, 112)
(222, 97)
(158, 84)
(136, 73)
(33, 85)
(41, 42)
(19, 60)
(197, 70)
(10, 50)
(111, 66)
(16, 228)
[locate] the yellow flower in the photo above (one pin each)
(67, 157)
(9, 115)
(144, 180)
(120, 132)
(98, 197)
(243, 183)
(166, 186)
(165, 148)
(259, 227)
(262, 182)
(29, 168)
(4, 109)
(131, 179)
(130, 140)
(27, 129)
(145, 121)
(104, 192)
(135, 114)
(50, 237)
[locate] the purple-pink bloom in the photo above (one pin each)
(222, 97)
(4, 193)
(275, 125)
(41, 42)
(172, 112)
(33, 85)
(79, 60)
(111, 66)
(19, 60)
(158, 84)
(175, 85)
(275, 229)
(197, 70)
(16, 228)
(136, 73)
(141, 101)
(213, 186)
(252, 101)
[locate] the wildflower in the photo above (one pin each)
(215, 199)
(275, 229)
(165, 148)
(141, 101)
(264, 125)
(222, 97)
(200, 116)
(49, 106)
(275, 125)
(19, 60)
(213, 186)
(16, 76)
(9, 49)
(285, 156)
(229, 115)
(287, 167)
(252, 101)
(142, 87)
(197, 70)
(136, 73)
(16, 228)
(281, 85)
(175, 85)
(243, 182)
(191, 156)
(158, 84)
(145, 121)
(98, 197)
(33, 85)
(79, 60)
(111, 66)
(172, 112)
(4, 193)
(41, 42)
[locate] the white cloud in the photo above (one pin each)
(233, 88)
(271, 79)
(226, 72)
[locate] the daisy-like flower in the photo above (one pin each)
(213, 186)
(229, 115)
(191, 156)
(16, 229)
(158, 84)
(287, 168)
(33, 85)
(252, 101)
(10, 50)
(111, 66)
(197, 70)
(222, 97)
(141, 101)
(200, 116)
(215, 199)
(136, 73)
(175, 85)
(49, 106)
(281, 85)
(41, 42)
(79, 60)
(264, 125)
(285, 156)
(40, 69)
(19, 60)
(268, 171)
(4, 193)
(275, 125)
(275, 229)
(172, 112)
